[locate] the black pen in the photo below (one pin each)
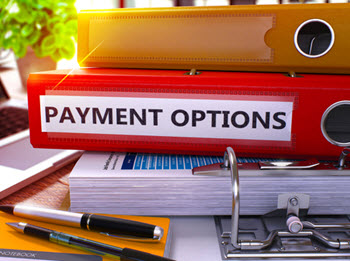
(125, 254)
(107, 225)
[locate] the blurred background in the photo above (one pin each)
(87, 4)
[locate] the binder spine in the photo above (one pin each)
(232, 38)
(168, 111)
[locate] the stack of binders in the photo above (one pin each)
(196, 80)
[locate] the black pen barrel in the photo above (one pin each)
(35, 231)
(135, 255)
(117, 226)
(95, 247)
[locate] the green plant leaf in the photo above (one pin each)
(56, 56)
(8, 43)
(42, 19)
(67, 51)
(27, 30)
(23, 15)
(48, 45)
(58, 28)
(34, 37)
(45, 4)
(11, 41)
(20, 49)
(52, 22)
(71, 28)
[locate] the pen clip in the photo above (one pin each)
(131, 238)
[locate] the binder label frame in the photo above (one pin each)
(233, 117)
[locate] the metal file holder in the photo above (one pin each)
(289, 234)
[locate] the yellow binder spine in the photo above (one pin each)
(280, 38)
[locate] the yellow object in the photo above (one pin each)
(11, 239)
(280, 38)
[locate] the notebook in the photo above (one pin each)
(20, 163)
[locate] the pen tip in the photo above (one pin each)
(16, 226)
(7, 209)
(158, 233)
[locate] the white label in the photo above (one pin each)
(168, 117)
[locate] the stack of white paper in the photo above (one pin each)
(152, 184)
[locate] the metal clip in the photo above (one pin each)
(305, 164)
(193, 72)
(342, 157)
(292, 203)
(229, 167)
(293, 74)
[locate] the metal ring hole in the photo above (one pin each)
(314, 38)
(335, 124)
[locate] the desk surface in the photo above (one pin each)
(51, 191)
